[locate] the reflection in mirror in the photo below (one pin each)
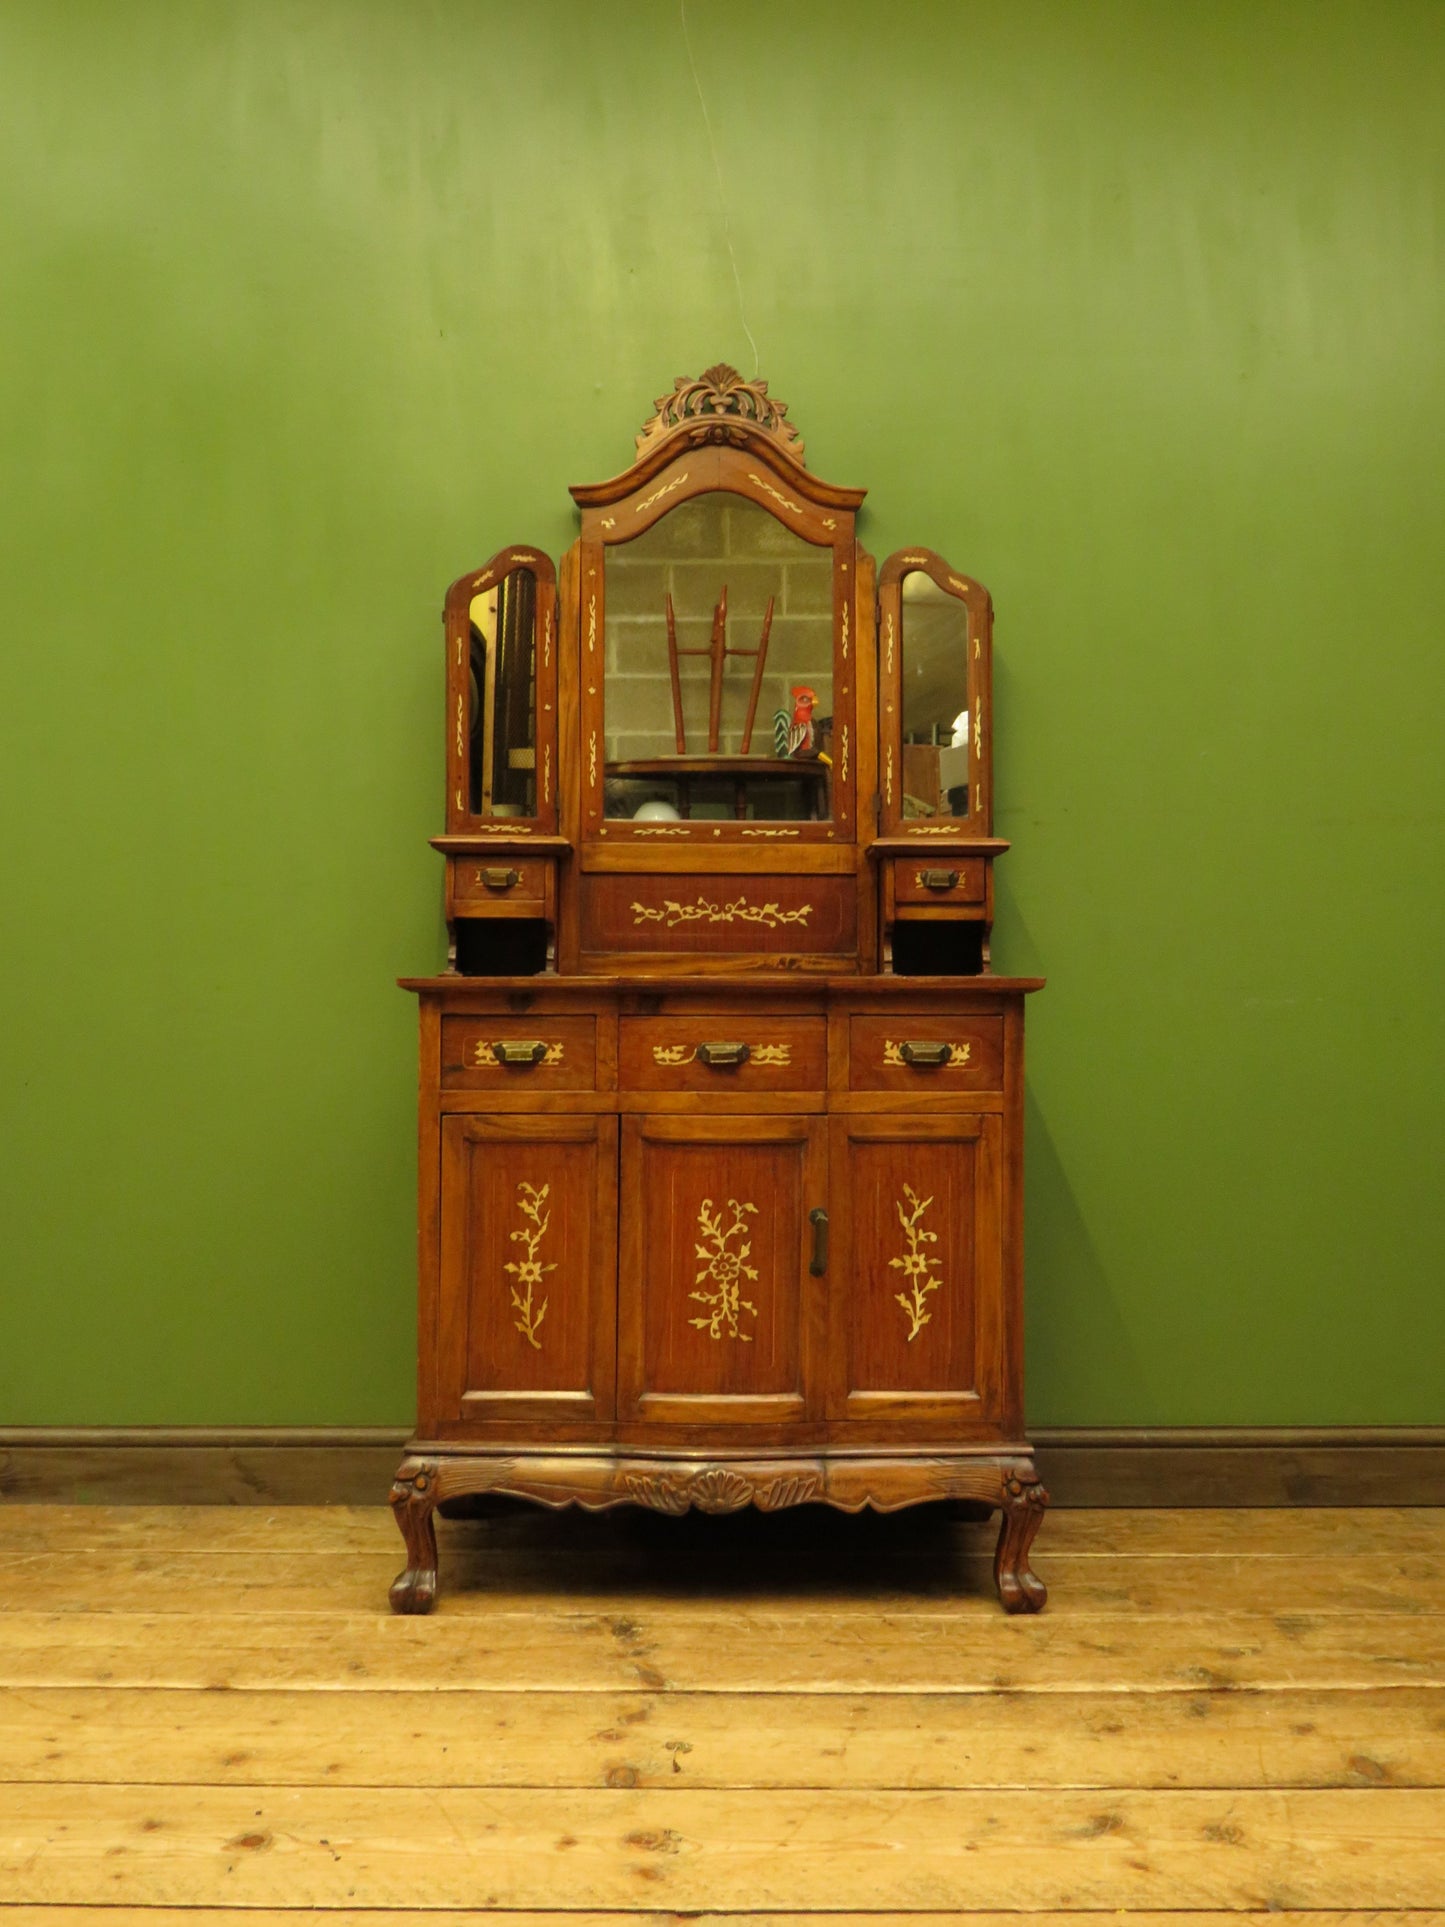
(503, 761)
(936, 775)
(719, 685)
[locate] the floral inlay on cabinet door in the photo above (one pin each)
(529, 1273)
(725, 1268)
(917, 1265)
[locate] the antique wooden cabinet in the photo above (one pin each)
(721, 1106)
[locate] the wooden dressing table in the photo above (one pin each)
(721, 1108)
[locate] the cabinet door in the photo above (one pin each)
(917, 1328)
(719, 1316)
(528, 1255)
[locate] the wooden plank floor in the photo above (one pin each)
(209, 1719)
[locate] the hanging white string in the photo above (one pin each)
(721, 190)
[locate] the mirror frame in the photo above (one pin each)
(822, 515)
(456, 619)
(892, 822)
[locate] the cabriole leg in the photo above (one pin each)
(413, 1498)
(1022, 1502)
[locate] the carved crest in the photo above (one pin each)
(718, 396)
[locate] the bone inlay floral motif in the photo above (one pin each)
(725, 1254)
(529, 1273)
(672, 913)
(757, 1053)
(484, 1056)
(958, 1054)
(916, 1264)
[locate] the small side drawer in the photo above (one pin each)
(519, 1053)
(480, 882)
(938, 879)
(741, 1052)
(925, 1052)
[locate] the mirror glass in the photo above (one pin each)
(719, 678)
(936, 746)
(503, 721)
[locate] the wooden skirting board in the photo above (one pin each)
(1100, 1466)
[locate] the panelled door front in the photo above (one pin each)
(720, 1308)
(528, 1256)
(917, 1332)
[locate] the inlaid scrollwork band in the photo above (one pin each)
(676, 1054)
(672, 913)
(488, 1053)
(658, 493)
(955, 1057)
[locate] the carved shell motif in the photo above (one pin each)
(721, 392)
(717, 1488)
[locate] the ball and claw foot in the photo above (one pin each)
(414, 1591)
(413, 1497)
(1022, 1503)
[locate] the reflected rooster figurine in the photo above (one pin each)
(793, 735)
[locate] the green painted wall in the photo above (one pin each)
(1133, 309)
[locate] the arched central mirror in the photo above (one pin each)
(719, 669)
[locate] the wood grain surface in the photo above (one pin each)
(207, 1716)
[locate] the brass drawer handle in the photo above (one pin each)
(925, 1053)
(498, 879)
(938, 879)
(507, 1050)
(724, 1054)
(819, 1263)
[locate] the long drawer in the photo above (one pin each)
(720, 914)
(736, 1053)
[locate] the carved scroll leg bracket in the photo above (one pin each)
(1023, 1501)
(413, 1499)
